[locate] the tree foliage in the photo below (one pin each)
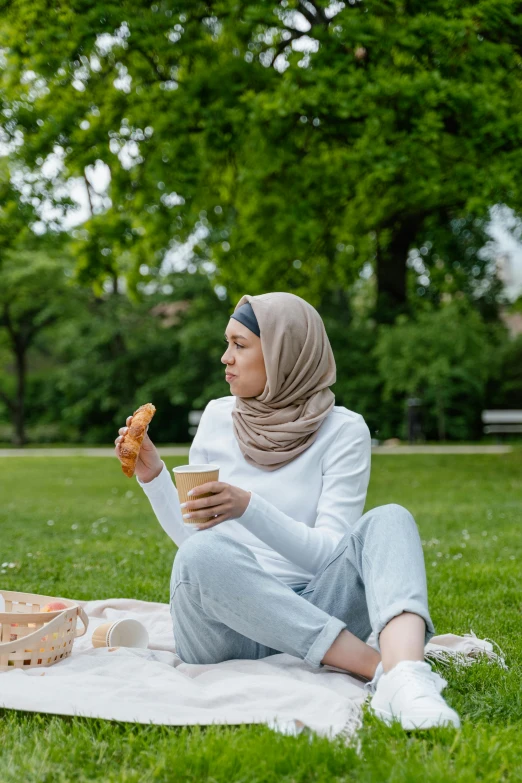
(114, 354)
(299, 167)
(445, 357)
(34, 296)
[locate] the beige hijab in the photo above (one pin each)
(273, 428)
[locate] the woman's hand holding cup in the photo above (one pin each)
(226, 502)
(149, 464)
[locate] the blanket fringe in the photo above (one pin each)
(349, 733)
(475, 650)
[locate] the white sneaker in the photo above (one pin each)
(410, 692)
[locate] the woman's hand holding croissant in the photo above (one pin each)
(149, 464)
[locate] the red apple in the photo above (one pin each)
(54, 606)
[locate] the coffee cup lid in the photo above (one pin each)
(195, 468)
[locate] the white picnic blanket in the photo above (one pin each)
(154, 686)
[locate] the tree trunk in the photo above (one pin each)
(391, 272)
(19, 438)
(441, 418)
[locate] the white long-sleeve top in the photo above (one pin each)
(297, 514)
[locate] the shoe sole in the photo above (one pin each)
(410, 724)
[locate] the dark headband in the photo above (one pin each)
(245, 315)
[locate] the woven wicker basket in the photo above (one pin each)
(22, 643)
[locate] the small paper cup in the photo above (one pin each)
(189, 476)
(121, 633)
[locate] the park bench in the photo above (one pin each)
(502, 422)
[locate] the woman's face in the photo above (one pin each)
(245, 366)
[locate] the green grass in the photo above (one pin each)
(118, 549)
(509, 440)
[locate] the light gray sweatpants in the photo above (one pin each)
(225, 606)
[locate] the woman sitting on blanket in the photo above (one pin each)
(289, 563)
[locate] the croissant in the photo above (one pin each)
(132, 440)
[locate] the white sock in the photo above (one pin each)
(371, 686)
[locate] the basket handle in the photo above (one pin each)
(85, 620)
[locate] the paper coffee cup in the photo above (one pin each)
(190, 476)
(121, 633)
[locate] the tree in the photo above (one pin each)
(15, 214)
(114, 355)
(445, 357)
(34, 296)
(451, 264)
(505, 385)
(296, 167)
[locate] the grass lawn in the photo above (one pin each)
(104, 541)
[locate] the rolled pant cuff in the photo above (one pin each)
(324, 641)
(415, 607)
